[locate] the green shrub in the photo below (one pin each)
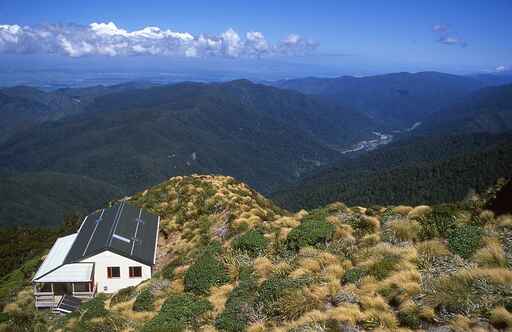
(123, 295)
(144, 301)
(271, 290)
(464, 240)
(240, 302)
(94, 308)
(438, 223)
(4, 317)
(178, 313)
(353, 275)
(409, 318)
(252, 242)
(309, 233)
(168, 270)
(383, 268)
(207, 271)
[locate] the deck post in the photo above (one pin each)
(73, 288)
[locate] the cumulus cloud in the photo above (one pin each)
(447, 36)
(108, 39)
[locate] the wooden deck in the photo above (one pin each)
(50, 300)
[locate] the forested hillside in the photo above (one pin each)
(132, 137)
(423, 170)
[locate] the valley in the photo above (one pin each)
(132, 135)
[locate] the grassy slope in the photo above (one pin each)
(230, 260)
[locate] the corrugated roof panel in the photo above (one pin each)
(74, 272)
(57, 254)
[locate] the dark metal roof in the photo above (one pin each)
(123, 229)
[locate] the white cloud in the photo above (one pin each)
(108, 39)
(439, 28)
(448, 37)
(295, 44)
(501, 69)
(452, 40)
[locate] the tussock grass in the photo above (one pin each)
(406, 230)
(381, 268)
(492, 255)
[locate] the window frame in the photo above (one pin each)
(132, 269)
(110, 269)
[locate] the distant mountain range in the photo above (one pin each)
(395, 100)
(62, 148)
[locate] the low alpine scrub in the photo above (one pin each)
(144, 301)
(178, 313)
(207, 271)
(310, 232)
(253, 242)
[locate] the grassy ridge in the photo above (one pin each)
(230, 260)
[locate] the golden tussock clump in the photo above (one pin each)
(505, 221)
(347, 313)
(406, 230)
(11, 307)
(372, 222)
(492, 255)
(419, 211)
(496, 275)
(344, 232)
(310, 264)
(263, 267)
(432, 248)
(218, 297)
(486, 217)
(370, 240)
(281, 268)
(177, 285)
(286, 222)
(461, 324)
(402, 210)
(501, 318)
(256, 327)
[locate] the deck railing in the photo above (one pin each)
(85, 295)
(45, 299)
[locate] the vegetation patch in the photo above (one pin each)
(253, 242)
(438, 223)
(94, 308)
(144, 301)
(465, 239)
(239, 306)
(353, 275)
(123, 295)
(207, 271)
(178, 313)
(168, 270)
(383, 268)
(273, 289)
(310, 232)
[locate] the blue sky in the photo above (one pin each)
(344, 37)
